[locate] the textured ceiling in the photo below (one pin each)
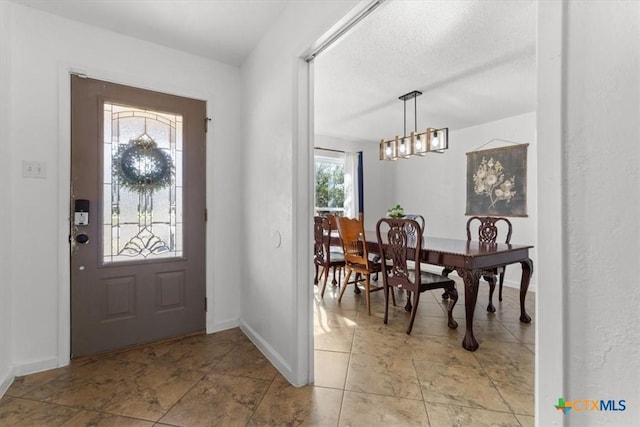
(223, 30)
(473, 60)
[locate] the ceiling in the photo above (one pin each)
(223, 30)
(474, 60)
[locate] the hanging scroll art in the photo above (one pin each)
(497, 181)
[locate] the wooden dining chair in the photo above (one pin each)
(356, 256)
(488, 230)
(398, 247)
(325, 255)
(418, 218)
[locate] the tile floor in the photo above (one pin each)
(367, 374)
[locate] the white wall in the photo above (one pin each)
(435, 185)
(378, 176)
(43, 48)
(276, 293)
(5, 211)
(602, 159)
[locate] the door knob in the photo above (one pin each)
(82, 238)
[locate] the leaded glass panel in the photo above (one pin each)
(142, 184)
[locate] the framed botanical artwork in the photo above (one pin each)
(497, 181)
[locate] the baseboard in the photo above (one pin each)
(6, 383)
(26, 369)
(34, 367)
(223, 326)
(273, 356)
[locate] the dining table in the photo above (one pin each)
(471, 260)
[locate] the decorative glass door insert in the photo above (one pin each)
(142, 187)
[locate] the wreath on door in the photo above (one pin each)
(143, 167)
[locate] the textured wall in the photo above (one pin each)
(602, 155)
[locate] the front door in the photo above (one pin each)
(137, 216)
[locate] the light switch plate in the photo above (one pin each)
(34, 169)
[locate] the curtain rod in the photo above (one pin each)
(328, 149)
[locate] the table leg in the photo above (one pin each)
(527, 271)
(471, 283)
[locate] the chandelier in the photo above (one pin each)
(415, 144)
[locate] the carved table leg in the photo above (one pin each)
(527, 271)
(471, 283)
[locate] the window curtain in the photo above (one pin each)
(351, 185)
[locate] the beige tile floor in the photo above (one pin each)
(366, 374)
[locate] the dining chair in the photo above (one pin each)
(325, 255)
(356, 257)
(416, 217)
(488, 229)
(399, 246)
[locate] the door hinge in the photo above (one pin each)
(206, 124)
(206, 305)
(206, 215)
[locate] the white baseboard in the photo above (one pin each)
(6, 383)
(26, 369)
(223, 326)
(34, 367)
(273, 356)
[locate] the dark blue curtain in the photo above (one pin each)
(360, 184)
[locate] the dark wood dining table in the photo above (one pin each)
(470, 259)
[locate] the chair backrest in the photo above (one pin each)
(321, 239)
(488, 229)
(419, 219)
(395, 241)
(353, 240)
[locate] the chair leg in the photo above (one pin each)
(368, 292)
(386, 302)
(376, 258)
(491, 278)
(315, 279)
(501, 282)
(414, 310)
(407, 306)
(393, 295)
(358, 278)
(345, 284)
(324, 283)
(453, 293)
(334, 281)
(445, 273)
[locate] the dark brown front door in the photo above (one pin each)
(137, 216)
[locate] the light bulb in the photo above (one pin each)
(435, 142)
(388, 151)
(402, 148)
(419, 144)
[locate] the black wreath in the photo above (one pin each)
(141, 166)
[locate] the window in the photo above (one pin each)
(338, 182)
(329, 185)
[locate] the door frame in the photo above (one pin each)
(64, 190)
(550, 339)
